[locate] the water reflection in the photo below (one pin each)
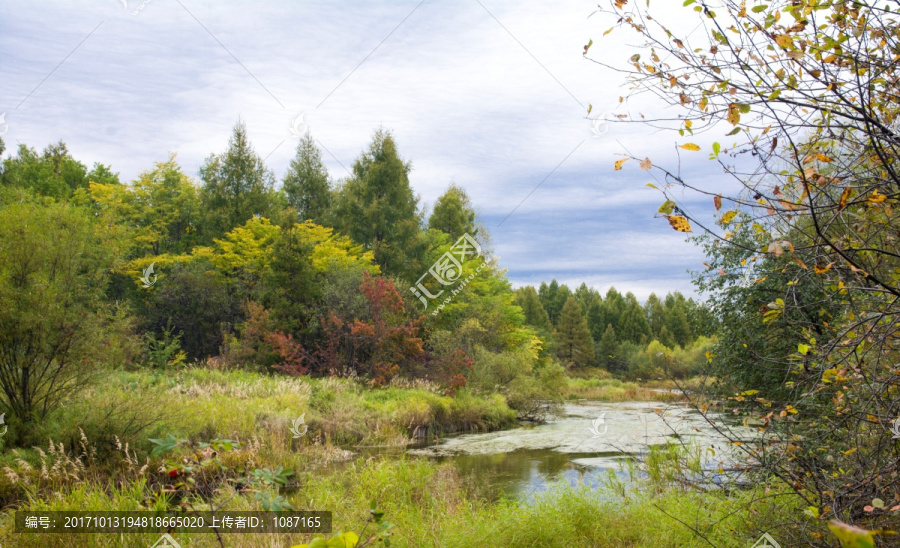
(568, 450)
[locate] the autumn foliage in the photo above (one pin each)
(387, 344)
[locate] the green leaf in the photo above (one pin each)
(759, 9)
(850, 536)
(163, 446)
(734, 131)
(803, 348)
(651, 185)
(716, 148)
(688, 2)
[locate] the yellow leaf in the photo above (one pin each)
(609, 31)
(646, 164)
(679, 223)
(734, 114)
(822, 269)
(728, 216)
(845, 197)
(620, 162)
(823, 158)
(690, 146)
(801, 263)
(876, 198)
(784, 41)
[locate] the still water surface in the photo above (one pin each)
(577, 447)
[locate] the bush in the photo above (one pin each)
(53, 272)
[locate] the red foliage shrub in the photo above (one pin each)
(451, 370)
(293, 355)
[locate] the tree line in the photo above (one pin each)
(309, 276)
(584, 328)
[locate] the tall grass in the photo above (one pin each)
(89, 466)
(615, 390)
(431, 506)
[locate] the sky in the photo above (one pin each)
(490, 95)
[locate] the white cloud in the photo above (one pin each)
(465, 100)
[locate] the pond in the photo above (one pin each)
(577, 447)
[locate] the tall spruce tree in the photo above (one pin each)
(585, 295)
(377, 208)
(633, 324)
(535, 315)
(306, 183)
(676, 318)
(236, 186)
(656, 314)
(608, 348)
(573, 339)
(553, 297)
(596, 315)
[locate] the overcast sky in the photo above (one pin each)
(491, 95)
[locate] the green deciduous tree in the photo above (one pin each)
(160, 210)
(53, 173)
(802, 97)
(453, 214)
(192, 301)
(53, 271)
